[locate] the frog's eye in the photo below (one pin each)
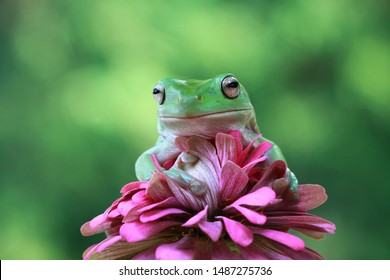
(230, 87)
(159, 93)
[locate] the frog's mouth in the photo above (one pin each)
(207, 125)
(207, 115)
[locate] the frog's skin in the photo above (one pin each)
(203, 108)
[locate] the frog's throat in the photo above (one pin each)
(208, 115)
(206, 125)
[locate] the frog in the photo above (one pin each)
(202, 108)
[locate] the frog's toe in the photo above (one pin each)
(288, 187)
(292, 195)
(196, 186)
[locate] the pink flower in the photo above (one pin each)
(242, 209)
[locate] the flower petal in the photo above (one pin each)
(88, 230)
(253, 252)
(196, 218)
(233, 181)
(301, 220)
(261, 197)
(258, 152)
(239, 233)
(98, 220)
(221, 251)
(180, 250)
(247, 168)
(136, 231)
(133, 186)
(212, 229)
(277, 251)
(98, 248)
(186, 198)
(284, 238)
(170, 202)
(123, 208)
(181, 143)
(311, 196)
(226, 148)
(275, 171)
(202, 147)
(237, 139)
(243, 155)
(153, 215)
(149, 254)
(158, 189)
(252, 216)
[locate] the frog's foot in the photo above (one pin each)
(287, 187)
(196, 186)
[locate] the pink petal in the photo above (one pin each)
(137, 231)
(108, 242)
(305, 254)
(134, 212)
(239, 233)
(168, 164)
(149, 254)
(181, 143)
(275, 171)
(258, 152)
(203, 148)
(233, 181)
(158, 188)
(180, 250)
(169, 202)
(303, 221)
(247, 168)
(261, 197)
(245, 152)
(156, 163)
(101, 246)
(252, 216)
(221, 251)
(88, 253)
(184, 195)
(212, 229)
(267, 248)
(140, 197)
(311, 196)
(98, 220)
(253, 252)
(133, 186)
(157, 214)
(284, 238)
(88, 230)
(196, 218)
(226, 148)
(124, 207)
(237, 139)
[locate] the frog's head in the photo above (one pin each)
(203, 108)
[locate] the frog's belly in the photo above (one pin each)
(208, 125)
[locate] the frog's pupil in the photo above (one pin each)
(233, 84)
(156, 91)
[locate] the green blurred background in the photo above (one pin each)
(76, 108)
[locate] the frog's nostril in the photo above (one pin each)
(199, 97)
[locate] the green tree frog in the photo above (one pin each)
(202, 108)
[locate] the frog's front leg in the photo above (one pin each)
(163, 151)
(276, 154)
